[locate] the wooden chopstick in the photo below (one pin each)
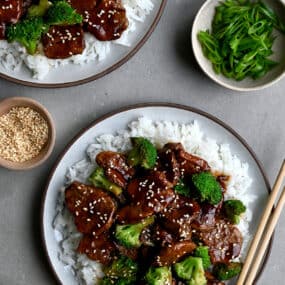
(267, 235)
(263, 222)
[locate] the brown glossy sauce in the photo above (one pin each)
(63, 41)
(10, 11)
(105, 19)
(180, 222)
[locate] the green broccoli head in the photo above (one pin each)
(182, 188)
(191, 269)
(40, 9)
(159, 276)
(203, 252)
(27, 32)
(98, 179)
(122, 271)
(223, 271)
(207, 187)
(129, 235)
(61, 13)
(233, 209)
(143, 154)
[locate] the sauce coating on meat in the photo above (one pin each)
(177, 218)
(173, 252)
(63, 41)
(116, 167)
(10, 11)
(224, 241)
(189, 163)
(99, 248)
(167, 162)
(107, 21)
(206, 219)
(131, 214)
(92, 208)
(151, 192)
(82, 6)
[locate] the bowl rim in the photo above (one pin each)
(133, 107)
(47, 149)
(215, 77)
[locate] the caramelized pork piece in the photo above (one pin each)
(152, 192)
(10, 11)
(116, 168)
(178, 217)
(132, 214)
(107, 21)
(63, 41)
(224, 241)
(167, 162)
(173, 252)
(92, 208)
(82, 6)
(99, 248)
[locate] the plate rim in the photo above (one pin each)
(139, 106)
(108, 70)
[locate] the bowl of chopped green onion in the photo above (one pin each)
(240, 44)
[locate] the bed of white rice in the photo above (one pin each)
(219, 157)
(13, 56)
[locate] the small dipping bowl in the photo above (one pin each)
(203, 22)
(5, 106)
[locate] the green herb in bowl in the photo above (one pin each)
(241, 40)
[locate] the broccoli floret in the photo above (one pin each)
(233, 209)
(40, 9)
(129, 235)
(223, 271)
(27, 32)
(98, 179)
(181, 188)
(203, 252)
(159, 276)
(143, 154)
(191, 269)
(207, 187)
(121, 271)
(61, 13)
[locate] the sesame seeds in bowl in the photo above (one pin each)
(27, 133)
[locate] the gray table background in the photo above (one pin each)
(163, 70)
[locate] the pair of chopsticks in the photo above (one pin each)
(264, 232)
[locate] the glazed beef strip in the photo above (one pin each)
(93, 209)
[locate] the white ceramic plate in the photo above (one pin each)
(118, 120)
(203, 22)
(72, 74)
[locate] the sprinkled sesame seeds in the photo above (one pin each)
(23, 134)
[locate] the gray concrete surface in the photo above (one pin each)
(163, 70)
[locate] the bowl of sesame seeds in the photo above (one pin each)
(27, 133)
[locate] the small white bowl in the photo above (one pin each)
(203, 21)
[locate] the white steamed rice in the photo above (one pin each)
(219, 157)
(13, 56)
